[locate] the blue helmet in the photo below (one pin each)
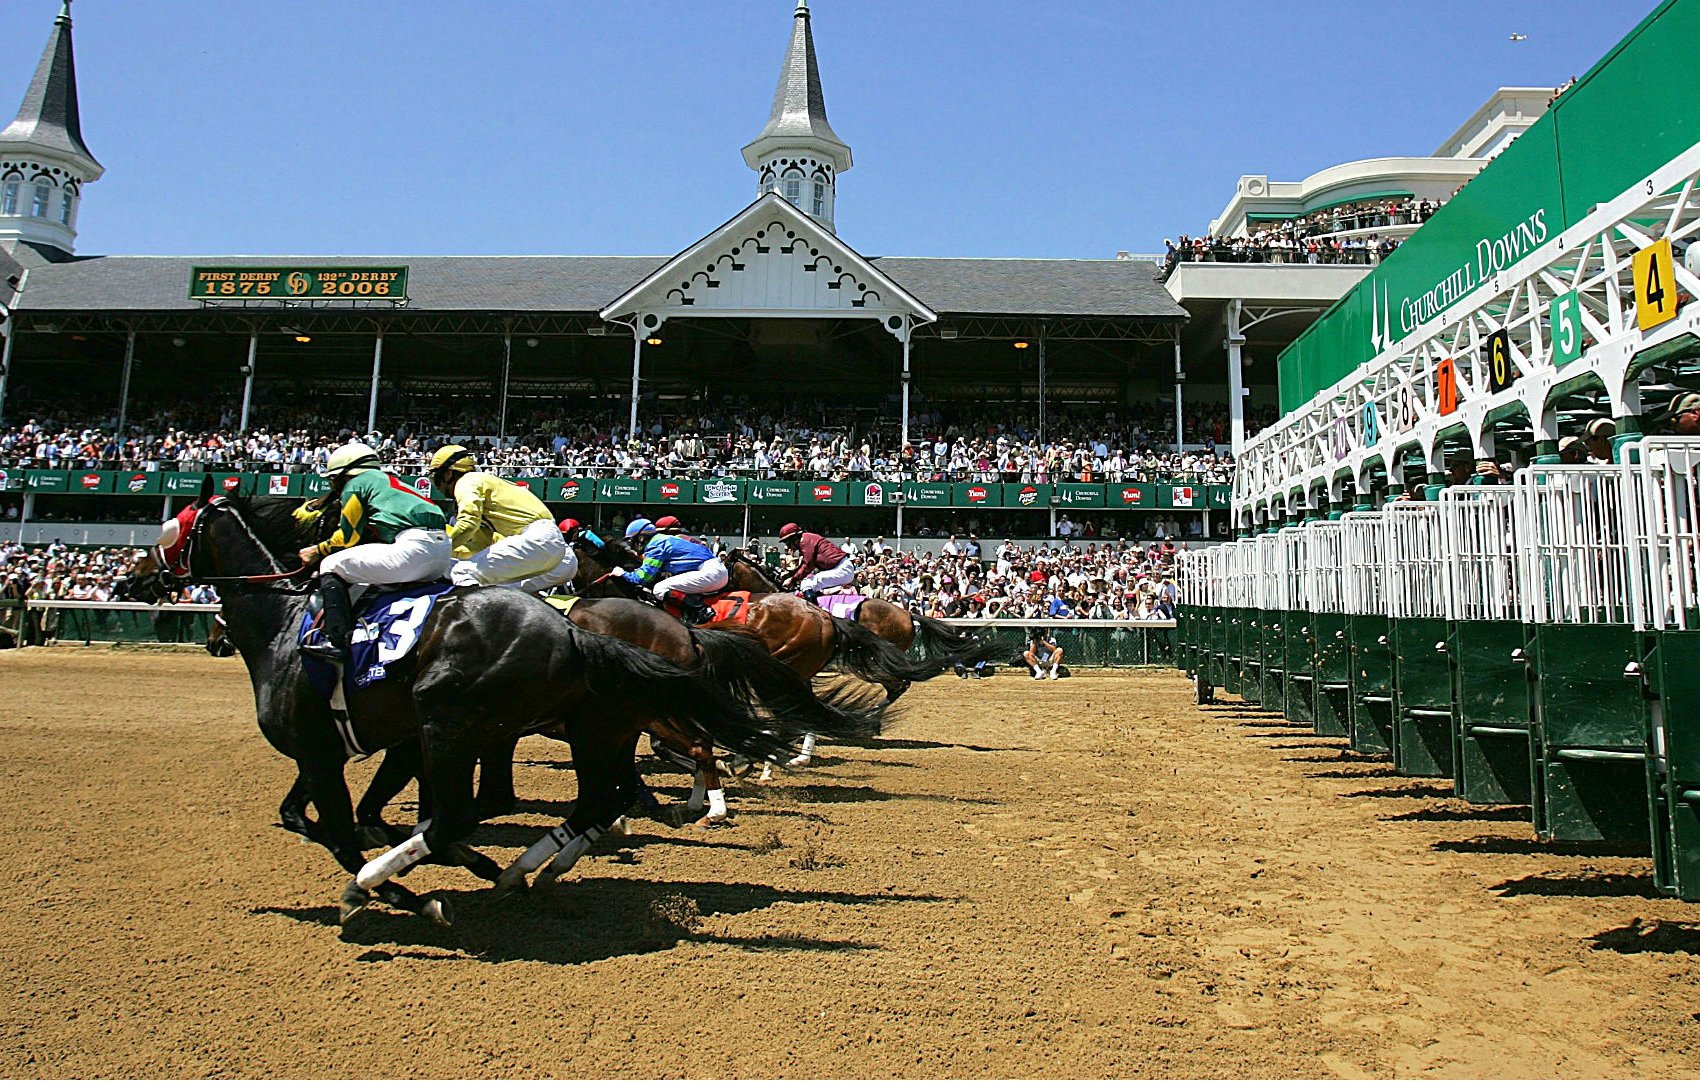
(638, 527)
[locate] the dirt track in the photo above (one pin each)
(1090, 877)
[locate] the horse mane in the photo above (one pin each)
(273, 520)
(737, 555)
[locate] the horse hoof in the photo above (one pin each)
(511, 881)
(374, 837)
(354, 898)
(711, 822)
(438, 912)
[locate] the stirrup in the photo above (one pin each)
(326, 651)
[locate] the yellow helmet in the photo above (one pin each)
(351, 458)
(453, 456)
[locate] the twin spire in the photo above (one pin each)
(797, 154)
(48, 119)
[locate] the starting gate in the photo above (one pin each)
(1324, 585)
(1415, 585)
(1366, 632)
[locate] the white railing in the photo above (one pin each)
(1364, 543)
(1581, 556)
(1483, 564)
(1415, 582)
(1324, 581)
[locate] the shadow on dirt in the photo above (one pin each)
(1473, 813)
(585, 920)
(1658, 936)
(1529, 846)
(1580, 885)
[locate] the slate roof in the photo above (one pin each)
(48, 116)
(799, 105)
(574, 283)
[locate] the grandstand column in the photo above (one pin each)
(637, 366)
(1041, 386)
(6, 362)
(903, 441)
(507, 365)
(377, 370)
(248, 383)
(1180, 377)
(1236, 375)
(124, 386)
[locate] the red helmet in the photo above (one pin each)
(666, 522)
(789, 530)
(569, 526)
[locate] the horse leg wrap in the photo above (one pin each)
(570, 852)
(537, 855)
(716, 803)
(807, 752)
(698, 791)
(381, 869)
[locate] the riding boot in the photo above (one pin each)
(696, 609)
(336, 621)
(812, 596)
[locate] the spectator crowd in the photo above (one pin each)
(1117, 445)
(1308, 238)
(59, 572)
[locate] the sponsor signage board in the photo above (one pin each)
(718, 491)
(666, 490)
(619, 490)
(977, 495)
(921, 494)
(771, 491)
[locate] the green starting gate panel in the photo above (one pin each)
(1372, 684)
(1422, 697)
(1333, 700)
(1490, 711)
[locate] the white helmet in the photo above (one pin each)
(351, 458)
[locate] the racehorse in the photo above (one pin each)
(946, 647)
(489, 665)
(798, 633)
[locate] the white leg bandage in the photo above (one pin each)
(570, 853)
(716, 803)
(534, 857)
(381, 869)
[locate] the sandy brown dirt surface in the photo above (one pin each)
(1091, 877)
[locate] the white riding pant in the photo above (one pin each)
(416, 555)
(537, 560)
(842, 575)
(705, 579)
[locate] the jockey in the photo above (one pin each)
(389, 534)
(669, 525)
(509, 534)
(821, 564)
(687, 569)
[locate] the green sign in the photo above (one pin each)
(91, 483)
(871, 493)
(569, 490)
(976, 495)
(670, 491)
(1566, 331)
(771, 491)
(917, 494)
(1076, 494)
(11, 481)
(47, 480)
(619, 490)
(822, 492)
(1219, 496)
(1034, 496)
(313, 485)
(719, 490)
(298, 283)
(1133, 496)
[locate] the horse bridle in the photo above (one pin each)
(175, 571)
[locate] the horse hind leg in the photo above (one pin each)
(324, 785)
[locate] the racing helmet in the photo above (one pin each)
(790, 530)
(639, 527)
(452, 456)
(351, 458)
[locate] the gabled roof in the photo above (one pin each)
(1113, 288)
(799, 105)
(48, 117)
(769, 256)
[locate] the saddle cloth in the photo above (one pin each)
(732, 606)
(386, 628)
(843, 605)
(561, 602)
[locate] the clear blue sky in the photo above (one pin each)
(997, 128)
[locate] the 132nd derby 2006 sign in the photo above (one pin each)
(298, 283)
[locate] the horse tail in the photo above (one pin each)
(949, 646)
(866, 655)
(706, 701)
(846, 709)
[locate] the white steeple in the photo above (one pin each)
(798, 154)
(43, 162)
